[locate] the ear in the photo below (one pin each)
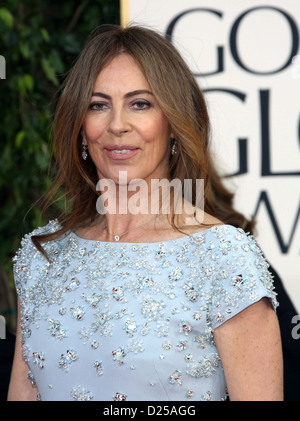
(172, 135)
(84, 142)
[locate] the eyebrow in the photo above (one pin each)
(128, 95)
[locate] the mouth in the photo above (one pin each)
(121, 152)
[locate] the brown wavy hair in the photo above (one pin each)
(181, 100)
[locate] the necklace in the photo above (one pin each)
(117, 237)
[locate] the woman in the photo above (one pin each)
(120, 302)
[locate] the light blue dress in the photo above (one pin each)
(134, 321)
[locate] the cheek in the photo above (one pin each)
(158, 131)
(92, 130)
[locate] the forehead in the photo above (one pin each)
(120, 71)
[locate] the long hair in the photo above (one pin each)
(179, 97)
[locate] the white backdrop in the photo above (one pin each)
(245, 54)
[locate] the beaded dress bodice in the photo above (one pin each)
(134, 321)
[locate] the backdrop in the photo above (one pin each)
(245, 55)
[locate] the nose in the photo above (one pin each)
(119, 122)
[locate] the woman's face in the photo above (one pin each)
(124, 128)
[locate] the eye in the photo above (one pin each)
(141, 105)
(97, 106)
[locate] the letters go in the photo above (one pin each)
(234, 37)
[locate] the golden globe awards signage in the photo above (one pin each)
(245, 55)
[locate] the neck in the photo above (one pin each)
(135, 198)
(117, 235)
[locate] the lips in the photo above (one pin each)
(121, 152)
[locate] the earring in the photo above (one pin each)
(84, 152)
(174, 147)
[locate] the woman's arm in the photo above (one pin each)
(20, 388)
(249, 345)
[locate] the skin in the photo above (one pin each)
(249, 343)
(123, 111)
(20, 388)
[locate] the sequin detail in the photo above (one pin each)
(79, 393)
(66, 359)
(119, 355)
(99, 368)
(56, 330)
(119, 397)
(135, 321)
(39, 359)
(176, 377)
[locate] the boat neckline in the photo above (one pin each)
(194, 234)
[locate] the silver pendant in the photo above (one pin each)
(116, 238)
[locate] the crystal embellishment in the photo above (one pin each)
(66, 359)
(119, 397)
(79, 393)
(99, 368)
(39, 359)
(119, 355)
(128, 315)
(176, 377)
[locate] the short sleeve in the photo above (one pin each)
(27, 261)
(241, 278)
(22, 267)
